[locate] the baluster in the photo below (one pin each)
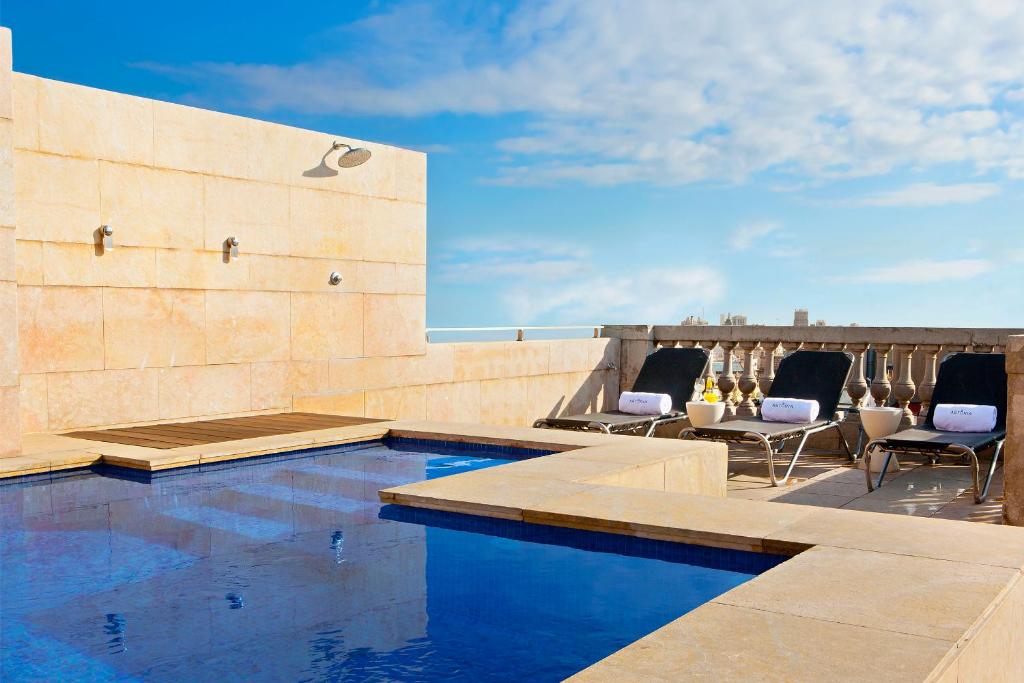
(710, 372)
(768, 367)
(748, 380)
(927, 388)
(982, 348)
(727, 379)
(905, 387)
(880, 386)
(789, 347)
(857, 387)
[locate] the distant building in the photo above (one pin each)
(820, 323)
(694, 321)
(800, 318)
(730, 319)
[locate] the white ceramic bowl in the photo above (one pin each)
(880, 422)
(703, 414)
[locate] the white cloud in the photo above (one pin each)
(670, 92)
(491, 258)
(931, 194)
(654, 295)
(922, 271)
(745, 236)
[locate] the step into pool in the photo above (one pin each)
(288, 568)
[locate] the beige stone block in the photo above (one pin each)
(254, 213)
(326, 326)
(724, 643)
(585, 392)
(995, 652)
(411, 176)
(394, 325)
(527, 358)
(546, 395)
(352, 374)
(10, 422)
(60, 329)
(454, 402)
(350, 403)
(329, 225)
(274, 384)
(485, 360)
(195, 391)
(58, 198)
(200, 270)
(942, 602)
(7, 207)
(26, 111)
(376, 278)
(202, 141)
(505, 402)
(403, 403)
(570, 355)
(103, 397)
(9, 355)
(153, 328)
(357, 227)
(77, 121)
(150, 207)
(29, 262)
(245, 327)
(69, 264)
(8, 255)
(6, 73)
(34, 417)
(410, 279)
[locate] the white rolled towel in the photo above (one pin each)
(789, 410)
(964, 417)
(643, 403)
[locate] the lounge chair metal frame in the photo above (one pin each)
(963, 378)
(933, 454)
(651, 425)
(766, 441)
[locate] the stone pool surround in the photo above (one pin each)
(865, 596)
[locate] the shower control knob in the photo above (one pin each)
(335, 278)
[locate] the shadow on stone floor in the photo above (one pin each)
(830, 480)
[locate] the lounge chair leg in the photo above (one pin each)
(981, 494)
(868, 450)
(846, 444)
(771, 452)
(600, 426)
(685, 433)
(650, 430)
(540, 424)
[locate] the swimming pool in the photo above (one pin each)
(288, 568)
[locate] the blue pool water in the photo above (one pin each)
(289, 569)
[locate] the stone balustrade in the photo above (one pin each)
(905, 366)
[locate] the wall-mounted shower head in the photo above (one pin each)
(353, 157)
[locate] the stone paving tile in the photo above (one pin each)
(935, 598)
(757, 645)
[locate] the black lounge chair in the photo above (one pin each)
(666, 371)
(817, 375)
(975, 378)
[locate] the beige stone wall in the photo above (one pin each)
(507, 383)
(163, 326)
(1013, 454)
(10, 434)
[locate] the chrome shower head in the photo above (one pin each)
(353, 157)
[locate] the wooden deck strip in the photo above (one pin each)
(178, 434)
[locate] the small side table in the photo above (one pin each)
(879, 423)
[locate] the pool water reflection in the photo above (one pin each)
(288, 568)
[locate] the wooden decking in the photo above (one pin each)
(176, 434)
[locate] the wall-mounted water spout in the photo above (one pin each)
(106, 237)
(231, 248)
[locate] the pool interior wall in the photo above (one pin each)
(288, 568)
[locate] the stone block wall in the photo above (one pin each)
(166, 325)
(10, 432)
(1013, 454)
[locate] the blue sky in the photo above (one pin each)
(629, 162)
